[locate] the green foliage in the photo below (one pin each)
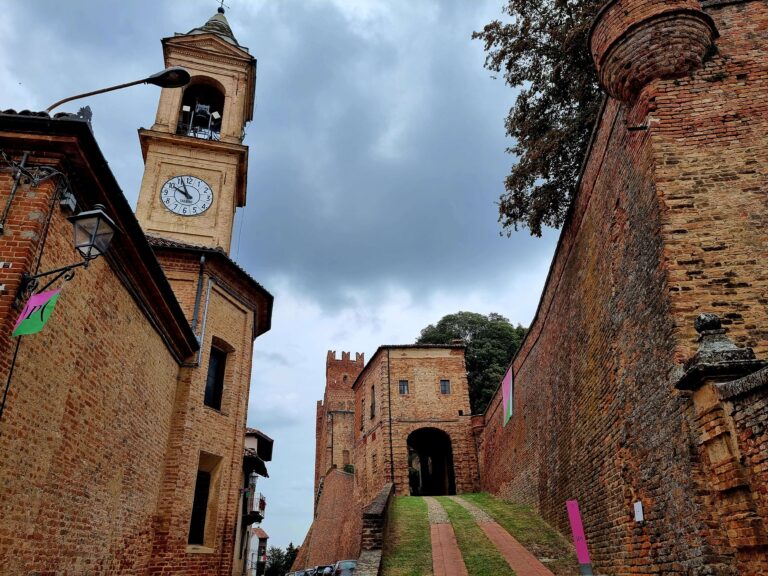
(408, 545)
(491, 343)
(279, 561)
(543, 51)
(275, 562)
(290, 555)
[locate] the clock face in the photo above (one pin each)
(186, 195)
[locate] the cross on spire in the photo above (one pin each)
(222, 6)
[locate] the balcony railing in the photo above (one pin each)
(256, 504)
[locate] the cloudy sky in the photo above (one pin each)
(376, 157)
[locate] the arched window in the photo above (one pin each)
(202, 108)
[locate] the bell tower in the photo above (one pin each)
(195, 164)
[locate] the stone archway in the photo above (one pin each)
(430, 463)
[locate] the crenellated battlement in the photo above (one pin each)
(634, 42)
(342, 373)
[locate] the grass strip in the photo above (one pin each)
(481, 557)
(408, 544)
(531, 531)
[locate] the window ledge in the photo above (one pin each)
(195, 549)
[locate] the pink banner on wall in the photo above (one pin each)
(579, 539)
(507, 395)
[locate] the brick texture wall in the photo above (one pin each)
(334, 440)
(381, 446)
(335, 532)
(87, 415)
(104, 422)
(198, 428)
(668, 223)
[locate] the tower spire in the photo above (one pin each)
(217, 24)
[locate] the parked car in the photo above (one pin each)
(324, 570)
(345, 568)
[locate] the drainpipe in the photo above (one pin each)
(391, 452)
(198, 295)
(205, 316)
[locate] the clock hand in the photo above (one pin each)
(186, 192)
(183, 191)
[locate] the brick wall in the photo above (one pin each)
(198, 428)
(335, 532)
(88, 412)
(668, 223)
(381, 446)
(335, 414)
(103, 428)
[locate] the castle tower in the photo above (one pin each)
(634, 43)
(195, 161)
(334, 438)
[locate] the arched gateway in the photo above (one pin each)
(430, 463)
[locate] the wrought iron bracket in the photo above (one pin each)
(29, 284)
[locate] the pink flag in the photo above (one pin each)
(579, 539)
(36, 313)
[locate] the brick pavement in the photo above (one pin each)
(446, 556)
(517, 556)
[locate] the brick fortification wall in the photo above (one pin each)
(336, 531)
(668, 222)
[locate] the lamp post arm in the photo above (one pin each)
(101, 91)
(30, 283)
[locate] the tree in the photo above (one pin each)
(276, 562)
(543, 51)
(491, 343)
(290, 555)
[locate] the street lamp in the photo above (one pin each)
(174, 77)
(92, 233)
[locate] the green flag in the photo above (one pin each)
(36, 313)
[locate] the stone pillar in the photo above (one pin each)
(736, 527)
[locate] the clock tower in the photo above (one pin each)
(195, 162)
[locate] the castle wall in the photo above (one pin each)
(667, 224)
(335, 532)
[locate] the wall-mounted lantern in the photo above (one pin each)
(92, 234)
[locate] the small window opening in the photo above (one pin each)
(373, 402)
(445, 386)
(199, 508)
(362, 413)
(214, 382)
(202, 523)
(461, 412)
(403, 386)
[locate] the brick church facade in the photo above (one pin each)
(123, 428)
(642, 380)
